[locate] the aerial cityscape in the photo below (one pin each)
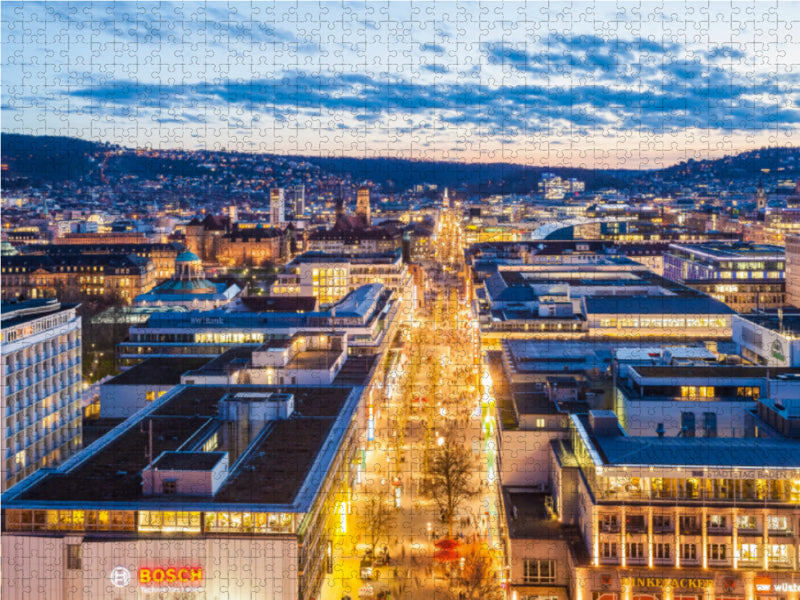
(401, 300)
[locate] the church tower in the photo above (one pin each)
(363, 209)
(761, 198)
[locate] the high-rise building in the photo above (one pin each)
(277, 215)
(446, 199)
(41, 369)
(299, 200)
(793, 270)
(363, 209)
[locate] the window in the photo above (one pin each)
(717, 522)
(608, 550)
(778, 553)
(635, 523)
(74, 555)
(688, 524)
(717, 551)
(539, 571)
(710, 424)
(661, 550)
(689, 551)
(636, 550)
(777, 523)
(609, 523)
(746, 522)
(662, 522)
(748, 552)
(687, 424)
(540, 423)
(169, 486)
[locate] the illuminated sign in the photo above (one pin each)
(180, 576)
(120, 577)
(683, 582)
(763, 584)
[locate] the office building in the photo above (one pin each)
(41, 350)
(793, 270)
(213, 492)
(329, 277)
(743, 275)
(277, 207)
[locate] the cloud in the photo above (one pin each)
(435, 48)
(689, 96)
(437, 69)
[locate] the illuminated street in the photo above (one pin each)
(438, 387)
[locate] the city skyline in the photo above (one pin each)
(586, 85)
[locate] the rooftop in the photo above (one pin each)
(713, 371)
(272, 468)
(188, 461)
(158, 371)
(656, 305)
(16, 313)
(785, 324)
(731, 250)
(700, 452)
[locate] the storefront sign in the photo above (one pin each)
(764, 584)
(660, 582)
(120, 577)
(170, 576)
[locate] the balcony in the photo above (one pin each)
(609, 528)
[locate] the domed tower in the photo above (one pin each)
(188, 267)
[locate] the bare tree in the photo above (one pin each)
(378, 518)
(448, 478)
(478, 579)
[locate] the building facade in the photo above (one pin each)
(224, 505)
(41, 351)
(793, 270)
(78, 277)
(745, 276)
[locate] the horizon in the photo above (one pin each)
(400, 158)
(585, 85)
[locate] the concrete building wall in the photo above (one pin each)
(121, 401)
(526, 457)
(35, 566)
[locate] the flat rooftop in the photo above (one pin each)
(699, 452)
(788, 324)
(188, 461)
(314, 359)
(712, 371)
(729, 250)
(271, 471)
(16, 313)
(158, 371)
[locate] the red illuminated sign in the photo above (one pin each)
(171, 575)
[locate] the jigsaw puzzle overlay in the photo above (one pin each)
(400, 300)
